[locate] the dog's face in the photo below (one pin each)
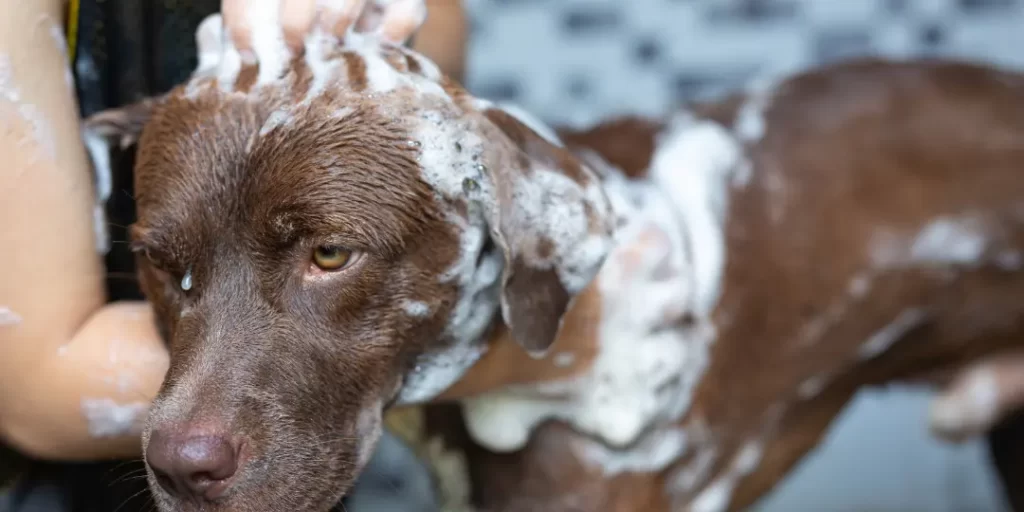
(331, 242)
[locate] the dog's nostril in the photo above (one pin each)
(196, 466)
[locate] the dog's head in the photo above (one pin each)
(324, 235)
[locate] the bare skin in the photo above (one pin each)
(75, 371)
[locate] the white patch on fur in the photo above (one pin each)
(8, 317)
(652, 453)
(107, 418)
(882, 340)
(717, 496)
(643, 374)
(416, 308)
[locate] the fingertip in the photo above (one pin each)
(297, 17)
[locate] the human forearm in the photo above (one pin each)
(86, 400)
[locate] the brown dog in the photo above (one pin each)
(328, 234)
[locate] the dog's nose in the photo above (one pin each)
(199, 467)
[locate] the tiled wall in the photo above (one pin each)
(574, 61)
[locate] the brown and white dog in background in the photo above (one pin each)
(649, 315)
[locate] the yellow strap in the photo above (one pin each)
(72, 30)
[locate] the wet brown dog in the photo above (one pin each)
(327, 234)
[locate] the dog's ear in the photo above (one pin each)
(548, 214)
(122, 125)
(101, 132)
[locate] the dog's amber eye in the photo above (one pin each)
(331, 257)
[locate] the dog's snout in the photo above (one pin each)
(195, 467)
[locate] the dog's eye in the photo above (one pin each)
(331, 257)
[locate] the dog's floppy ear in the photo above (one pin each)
(122, 124)
(548, 214)
(100, 132)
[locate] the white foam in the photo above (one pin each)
(690, 476)
(209, 44)
(698, 161)
(717, 496)
(642, 375)
(8, 317)
(107, 418)
(879, 342)
(268, 40)
(652, 453)
(416, 308)
(950, 240)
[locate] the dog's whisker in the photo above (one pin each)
(130, 498)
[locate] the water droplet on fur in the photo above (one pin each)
(470, 185)
(413, 143)
(186, 282)
(480, 168)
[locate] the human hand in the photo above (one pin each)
(394, 21)
(979, 397)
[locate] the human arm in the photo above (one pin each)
(58, 341)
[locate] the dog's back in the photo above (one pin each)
(871, 231)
